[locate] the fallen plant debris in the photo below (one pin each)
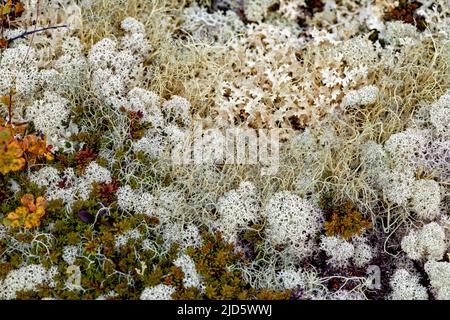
(10, 10)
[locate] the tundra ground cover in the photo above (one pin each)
(98, 96)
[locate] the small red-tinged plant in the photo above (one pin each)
(84, 157)
(406, 11)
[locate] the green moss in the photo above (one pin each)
(154, 277)
(254, 233)
(112, 270)
(11, 200)
(64, 161)
(342, 218)
(141, 157)
(214, 261)
(5, 192)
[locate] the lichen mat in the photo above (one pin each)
(233, 150)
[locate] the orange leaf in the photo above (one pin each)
(3, 43)
(13, 216)
(6, 9)
(34, 145)
(29, 141)
(11, 9)
(12, 165)
(40, 202)
(32, 221)
(28, 201)
(10, 154)
(49, 156)
(15, 224)
(14, 149)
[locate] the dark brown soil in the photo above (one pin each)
(406, 12)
